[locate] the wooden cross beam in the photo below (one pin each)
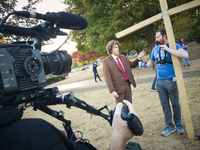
(165, 15)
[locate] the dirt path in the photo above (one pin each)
(63, 85)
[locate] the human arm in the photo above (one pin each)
(121, 132)
(150, 63)
(178, 53)
(185, 46)
(141, 55)
(107, 76)
(135, 63)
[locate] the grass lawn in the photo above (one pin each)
(147, 106)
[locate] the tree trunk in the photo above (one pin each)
(150, 37)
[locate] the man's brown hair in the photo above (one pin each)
(110, 46)
(162, 32)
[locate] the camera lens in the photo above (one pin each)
(57, 62)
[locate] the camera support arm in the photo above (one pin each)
(69, 100)
(59, 116)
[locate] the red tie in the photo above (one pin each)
(120, 65)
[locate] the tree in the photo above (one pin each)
(194, 35)
(2, 41)
(106, 18)
(88, 56)
(74, 64)
(184, 23)
(8, 6)
(93, 56)
(78, 57)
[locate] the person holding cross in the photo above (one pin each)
(166, 81)
(117, 72)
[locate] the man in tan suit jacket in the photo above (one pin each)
(119, 85)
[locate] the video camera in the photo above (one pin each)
(23, 68)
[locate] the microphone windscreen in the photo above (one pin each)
(72, 21)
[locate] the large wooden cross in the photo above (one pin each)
(165, 15)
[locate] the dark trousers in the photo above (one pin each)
(167, 89)
(95, 76)
(127, 95)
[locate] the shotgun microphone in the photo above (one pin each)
(62, 19)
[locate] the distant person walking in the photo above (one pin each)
(95, 72)
(185, 45)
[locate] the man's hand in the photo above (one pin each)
(115, 94)
(164, 47)
(141, 54)
(121, 132)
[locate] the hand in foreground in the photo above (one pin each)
(121, 132)
(115, 94)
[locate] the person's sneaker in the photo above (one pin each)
(168, 130)
(184, 66)
(153, 89)
(188, 64)
(179, 128)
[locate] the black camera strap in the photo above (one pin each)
(163, 61)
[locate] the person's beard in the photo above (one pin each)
(162, 41)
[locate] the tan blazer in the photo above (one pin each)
(114, 76)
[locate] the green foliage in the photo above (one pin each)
(82, 63)
(183, 23)
(74, 64)
(194, 35)
(106, 18)
(8, 6)
(54, 79)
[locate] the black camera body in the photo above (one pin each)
(23, 65)
(21, 68)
